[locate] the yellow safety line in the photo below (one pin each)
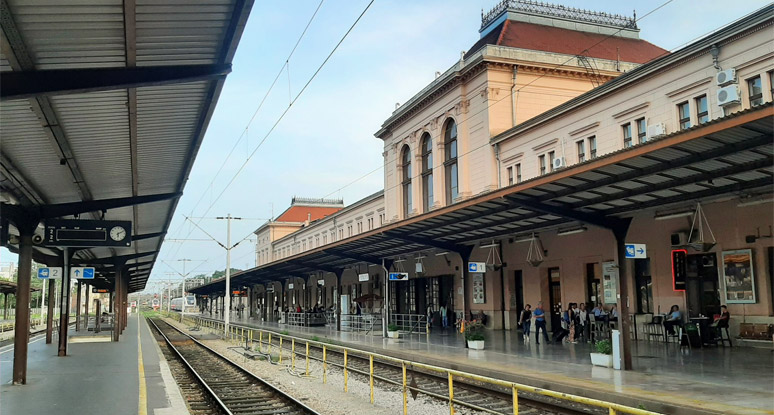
(143, 405)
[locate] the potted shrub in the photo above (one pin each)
(604, 355)
(392, 331)
(474, 335)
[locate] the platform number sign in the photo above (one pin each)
(50, 273)
(476, 266)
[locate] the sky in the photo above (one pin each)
(324, 146)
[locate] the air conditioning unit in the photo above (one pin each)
(558, 163)
(726, 77)
(656, 130)
(679, 239)
(729, 96)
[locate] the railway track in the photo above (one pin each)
(477, 396)
(223, 386)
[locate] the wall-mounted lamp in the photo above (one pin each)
(571, 230)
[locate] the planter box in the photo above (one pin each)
(393, 334)
(476, 344)
(604, 360)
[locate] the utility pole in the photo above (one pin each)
(185, 276)
(227, 313)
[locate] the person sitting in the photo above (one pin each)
(721, 321)
(674, 318)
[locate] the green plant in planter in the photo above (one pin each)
(604, 347)
(474, 332)
(392, 327)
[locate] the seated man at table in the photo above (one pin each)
(672, 319)
(721, 321)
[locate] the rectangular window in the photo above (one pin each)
(551, 160)
(359, 227)
(684, 115)
(756, 91)
(642, 130)
(592, 146)
(771, 84)
(510, 176)
(702, 113)
(542, 164)
(518, 172)
(644, 284)
(627, 134)
(581, 151)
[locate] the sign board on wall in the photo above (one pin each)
(363, 277)
(638, 251)
(479, 296)
(610, 282)
(679, 269)
(476, 266)
(399, 276)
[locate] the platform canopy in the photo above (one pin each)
(728, 157)
(103, 108)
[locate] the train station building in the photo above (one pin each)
(544, 165)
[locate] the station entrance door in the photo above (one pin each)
(702, 287)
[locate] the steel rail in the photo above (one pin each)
(239, 368)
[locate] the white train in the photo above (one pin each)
(184, 304)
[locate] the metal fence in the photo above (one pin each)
(409, 323)
(368, 323)
(262, 338)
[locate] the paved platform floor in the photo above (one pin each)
(736, 380)
(94, 378)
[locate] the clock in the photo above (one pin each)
(117, 233)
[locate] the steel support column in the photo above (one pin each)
(78, 286)
(337, 300)
(64, 304)
(116, 304)
(623, 292)
(5, 306)
(22, 329)
(86, 308)
(50, 305)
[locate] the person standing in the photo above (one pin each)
(540, 323)
(525, 319)
(444, 317)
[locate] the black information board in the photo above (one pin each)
(87, 233)
(679, 269)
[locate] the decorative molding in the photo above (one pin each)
(689, 87)
(545, 144)
(512, 158)
(584, 128)
(631, 110)
(764, 58)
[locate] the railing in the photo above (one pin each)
(305, 319)
(251, 337)
(555, 10)
(409, 322)
(364, 322)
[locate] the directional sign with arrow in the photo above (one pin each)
(82, 273)
(637, 251)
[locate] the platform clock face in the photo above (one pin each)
(117, 233)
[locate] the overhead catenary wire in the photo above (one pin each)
(257, 110)
(282, 116)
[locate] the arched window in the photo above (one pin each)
(406, 176)
(427, 172)
(450, 163)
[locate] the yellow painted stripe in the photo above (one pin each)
(143, 405)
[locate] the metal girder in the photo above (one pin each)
(460, 249)
(32, 83)
(569, 213)
(529, 228)
(316, 267)
(681, 181)
(119, 259)
(73, 208)
(359, 258)
(147, 236)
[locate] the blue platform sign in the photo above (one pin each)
(636, 251)
(399, 276)
(50, 273)
(82, 273)
(476, 266)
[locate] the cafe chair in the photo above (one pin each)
(655, 328)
